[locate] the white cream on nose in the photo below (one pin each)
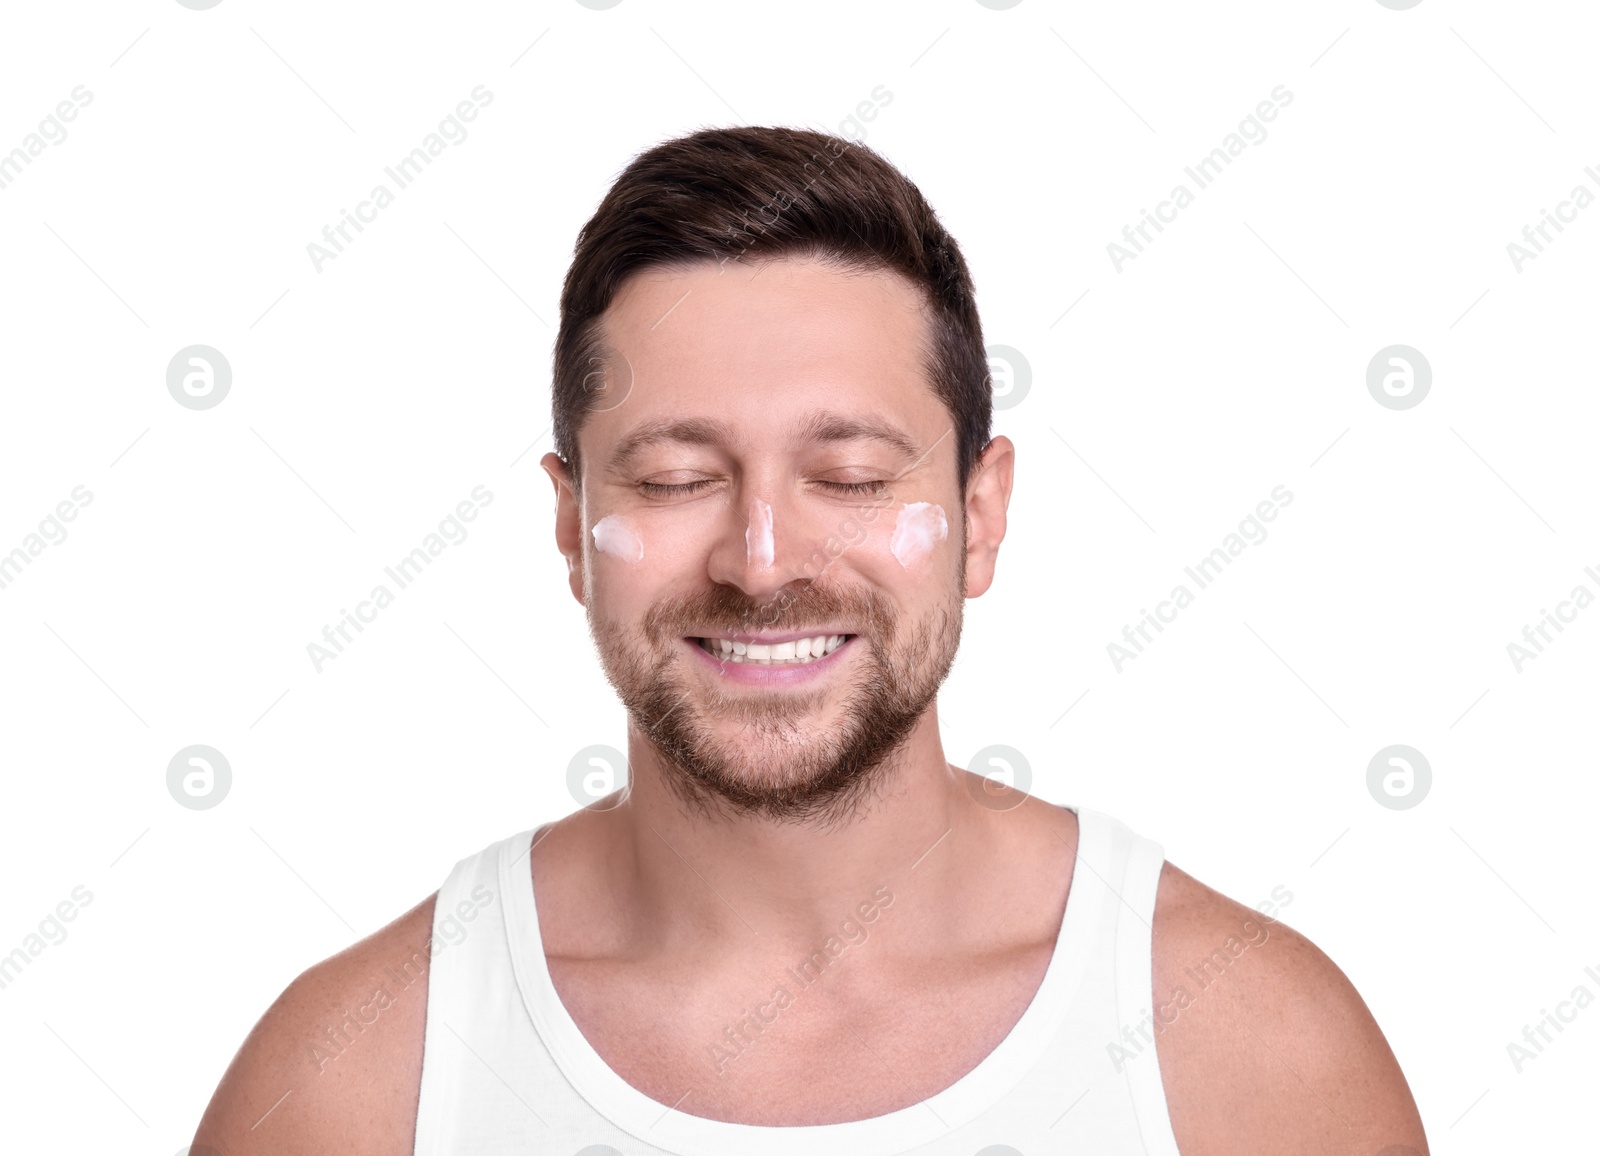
(917, 527)
(758, 545)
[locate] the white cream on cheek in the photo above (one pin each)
(917, 528)
(615, 535)
(758, 546)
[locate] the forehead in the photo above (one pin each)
(763, 348)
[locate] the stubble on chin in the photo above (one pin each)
(775, 756)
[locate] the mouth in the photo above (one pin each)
(767, 650)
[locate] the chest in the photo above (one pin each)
(780, 1045)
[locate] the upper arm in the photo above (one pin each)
(335, 1064)
(1268, 1046)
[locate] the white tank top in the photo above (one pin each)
(506, 1070)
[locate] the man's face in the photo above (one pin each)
(769, 536)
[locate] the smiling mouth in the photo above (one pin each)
(797, 652)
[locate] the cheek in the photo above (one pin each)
(637, 558)
(886, 544)
(617, 536)
(919, 527)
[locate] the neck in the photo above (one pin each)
(707, 873)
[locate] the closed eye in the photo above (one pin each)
(683, 489)
(854, 488)
(675, 489)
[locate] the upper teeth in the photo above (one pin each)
(801, 650)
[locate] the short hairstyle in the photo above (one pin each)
(768, 192)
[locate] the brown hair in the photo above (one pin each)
(722, 193)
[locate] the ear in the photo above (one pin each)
(988, 495)
(569, 522)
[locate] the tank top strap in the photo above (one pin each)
(469, 996)
(1130, 867)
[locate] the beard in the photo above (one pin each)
(780, 764)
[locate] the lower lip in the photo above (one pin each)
(756, 674)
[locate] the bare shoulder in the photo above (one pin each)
(335, 1064)
(1267, 1045)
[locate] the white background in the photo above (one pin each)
(1167, 400)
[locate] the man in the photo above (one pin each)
(798, 928)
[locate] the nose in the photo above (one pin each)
(759, 545)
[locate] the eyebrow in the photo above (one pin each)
(820, 426)
(831, 427)
(692, 431)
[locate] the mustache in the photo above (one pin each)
(729, 609)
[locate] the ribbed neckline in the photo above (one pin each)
(897, 1131)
